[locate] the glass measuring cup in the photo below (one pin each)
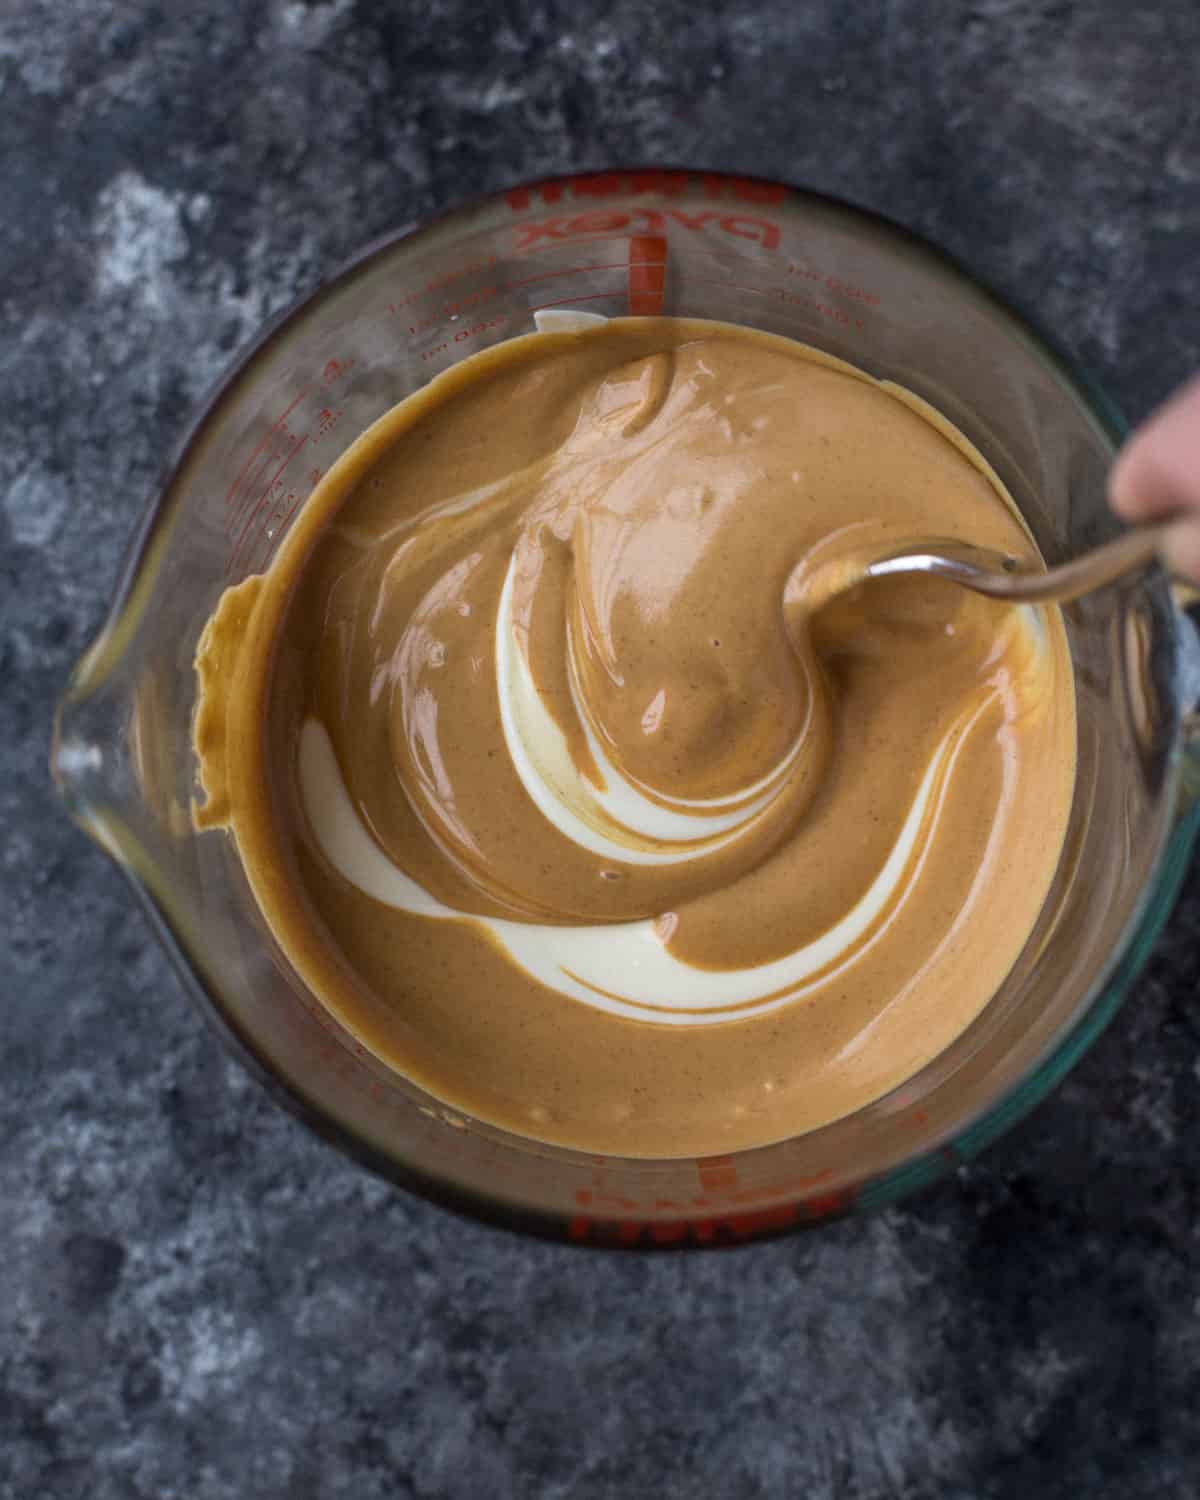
(639, 242)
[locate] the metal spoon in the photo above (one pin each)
(1001, 576)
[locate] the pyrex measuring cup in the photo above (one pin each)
(620, 243)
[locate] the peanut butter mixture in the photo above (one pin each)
(558, 788)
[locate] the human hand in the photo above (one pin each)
(1157, 478)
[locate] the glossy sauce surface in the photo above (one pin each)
(555, 788)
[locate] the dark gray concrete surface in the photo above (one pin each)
(199, 1300)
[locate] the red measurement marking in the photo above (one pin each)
(574, 301)
(832, 314)
(669, 184)
(284, 521)
(616, 265)
(745, 188)
(248, 489)
(730, 1228)
(668, 1233)
(254, 510)
(437, 283)
(647, 275)
(263, 441)
(828, 1204)
(463, 334)
(843, 288)
(790, 299)
(253, 479)
(452, 309)
(746, 1226)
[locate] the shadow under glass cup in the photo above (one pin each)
(621, 243)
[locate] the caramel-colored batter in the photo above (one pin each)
(558, 791)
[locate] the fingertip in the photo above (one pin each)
(1158, 471)
(1123, 489)
(1138, 489)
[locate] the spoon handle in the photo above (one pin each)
(1133, 550)
(1002, 577)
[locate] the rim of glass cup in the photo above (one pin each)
(942, 1156)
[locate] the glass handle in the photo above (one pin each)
(1186, 597)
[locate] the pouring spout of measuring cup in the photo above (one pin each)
(93, 744)
(119, 750)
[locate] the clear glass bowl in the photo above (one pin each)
(639, 242)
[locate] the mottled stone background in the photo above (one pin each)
(198, 1300)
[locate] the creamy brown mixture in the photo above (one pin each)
(555, 788)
